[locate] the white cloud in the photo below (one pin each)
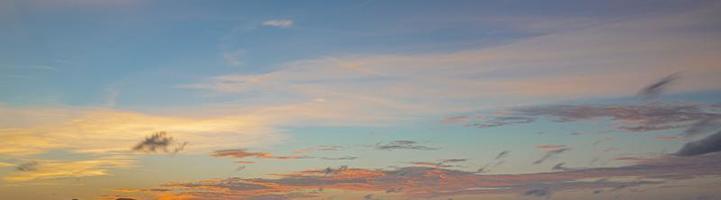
(281, 23)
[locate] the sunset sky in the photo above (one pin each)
(366, 99)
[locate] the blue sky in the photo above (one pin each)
(202, 100)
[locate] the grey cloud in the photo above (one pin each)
(538, 192)
(502, 154)
(550, 154)
(28, 166)
(339, 158)
(159, 141)
(560, 167)
(454, 160)
(402, 144)
(505, 120)
(658, 87)
(709, 144)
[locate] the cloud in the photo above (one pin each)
(560, 166)
(550, 153)
(159, 141)
(427, 182)
(571, 64)
(402, 144)
(655, 89)
(243, 153)
(503, 154)
(34, 130)
(4, 164)
(634, 118)
(339, 158)
(537, 192)
(28, 166)
(280, 23)
(319, 148)
(446, 163)
(55, 169)
(709, 144)
(550, 147)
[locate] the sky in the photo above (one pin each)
(367, 99)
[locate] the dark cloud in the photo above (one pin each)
(658, 87)
(484, 169)
(28, 166)
(328, 171)
(560, 166)
(538, 192)
(709, 144)
(402, 144)
(502, 154)
(123, 198)
(551, 153)
(160, 141)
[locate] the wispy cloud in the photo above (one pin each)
(280, 23)
(658, 87)
(243, 153)
(635, 118)
(441, 164)
(339, 158)
(54, 169)
(503, 154)
(551, 151)
(402, 144)
(556, 66)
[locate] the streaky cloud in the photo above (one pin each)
(551, 153)
(654, 90)
(403, 144)
(693, 118)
